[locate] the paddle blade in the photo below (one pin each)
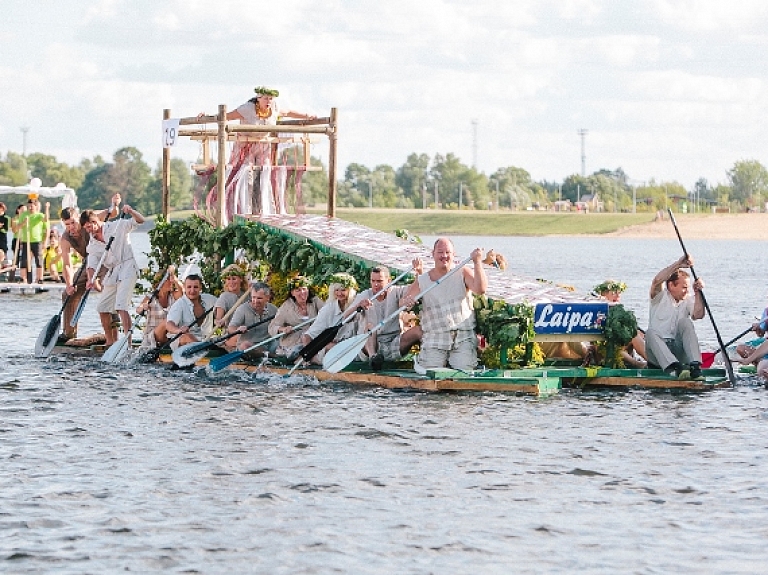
(46, 341)
(343, 353)
(220, 363)
(190, 353)
(117, 350)
(149, 356)
(52, 329)
(324, 338)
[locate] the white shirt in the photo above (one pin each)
(666, 312)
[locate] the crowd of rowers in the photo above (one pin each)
(182, 313)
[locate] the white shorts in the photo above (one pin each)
(117, 297)
(462, 355)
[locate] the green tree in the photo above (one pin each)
(128, 176)
(412, 177)
(51, 172)
(180, 187)
(749, 182)
(13, 170)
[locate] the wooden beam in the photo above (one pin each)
(222, 167)
(333, 138)
(166, 184)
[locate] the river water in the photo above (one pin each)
(114, 468)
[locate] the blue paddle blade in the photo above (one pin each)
(220, 363)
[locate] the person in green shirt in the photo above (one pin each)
(33, 228)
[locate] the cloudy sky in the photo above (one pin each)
(667, 89)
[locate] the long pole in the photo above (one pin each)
(436, 199)
(461, 189)
(728, 366)
(166, 183)
(221, 175)
(333, 154)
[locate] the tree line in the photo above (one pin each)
(421, 182)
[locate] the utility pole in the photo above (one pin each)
(461, 189)
(436, 198)
(474, 143)
(24, 130)
(583, 133)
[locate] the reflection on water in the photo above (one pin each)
(114, 467)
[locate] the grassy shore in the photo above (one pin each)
(484, 223)
(504, 223)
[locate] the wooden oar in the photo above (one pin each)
(46, 341)
(219, 363)
(728, 365)
(81, 305)
(340, 355)
(190, 353)
(152, 355)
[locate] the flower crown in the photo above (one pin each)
(233, 270)
(298, 282)
(343, 279)
(264, 91)
(609, 286)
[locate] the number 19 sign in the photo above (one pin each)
(170, 132)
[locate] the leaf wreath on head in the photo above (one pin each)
(610, 286)
(298, 282)
(343, 279)
(233, 270)
(264, 91)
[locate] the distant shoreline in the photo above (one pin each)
(741, 226)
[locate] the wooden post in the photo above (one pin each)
(221, 169)
(206, 151)
(166, 184)
(332, 157)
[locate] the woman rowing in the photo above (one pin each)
(341, 293)
(302, 304)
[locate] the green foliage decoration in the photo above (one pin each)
(620, 328)
(508, 329)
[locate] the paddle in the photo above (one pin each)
(728, 365)
(117, 350)
(340, 355)
(738, 337)
(46, 341)
(81, 305)
(151, 355)
(219, 363)
(190, 353)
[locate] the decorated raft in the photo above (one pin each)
(320, 245)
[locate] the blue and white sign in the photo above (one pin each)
(586, 318)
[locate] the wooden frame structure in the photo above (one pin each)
(225, 132)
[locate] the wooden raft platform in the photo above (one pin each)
(379, 248)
